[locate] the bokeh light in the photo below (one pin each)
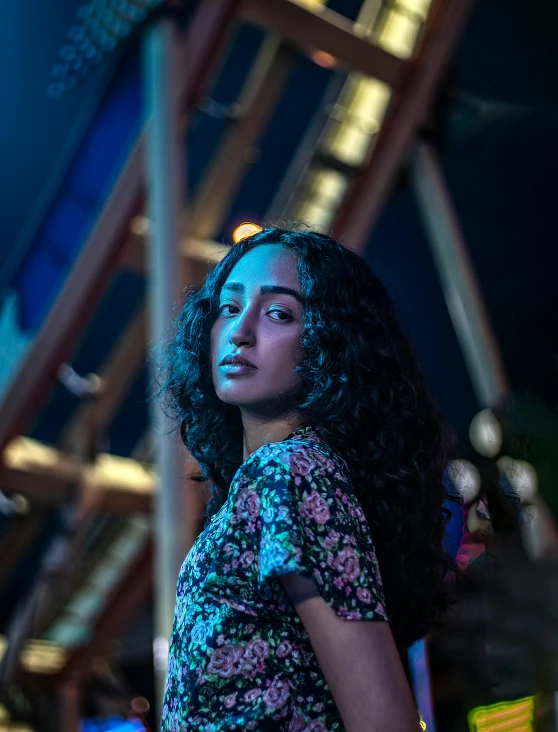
(485, 433)
(465, 478)
(140, 705)
(160, 653)
(245, 230)
(324, 59)
(522, 477)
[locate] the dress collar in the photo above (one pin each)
(301, 433)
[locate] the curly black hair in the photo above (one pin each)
(361, 390)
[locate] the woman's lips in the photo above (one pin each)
(237, 368)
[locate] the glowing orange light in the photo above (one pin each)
(245, 230)
(322, 58)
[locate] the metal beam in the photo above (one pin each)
(327, 31)
(409, 110)
(74, 304)
(17, 540)
(90, 275)
(458, 279)
(258, 99)
(173, 526)
(51, 478)
(120, 608)
(37, 656)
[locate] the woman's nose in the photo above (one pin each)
(242, 332)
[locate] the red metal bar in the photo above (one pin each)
(330, 32)
(410, 107)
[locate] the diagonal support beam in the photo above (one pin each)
(17, 540)
(410, 108)
(119, 609)
(327, 31)
(74, 304)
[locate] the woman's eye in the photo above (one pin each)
(285, 316)
(279, 315)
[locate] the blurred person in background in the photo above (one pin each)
(299, 395)
(500, 642)
(108, 707)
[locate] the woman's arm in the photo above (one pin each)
(359, 661)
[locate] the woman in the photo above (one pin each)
(299, 396)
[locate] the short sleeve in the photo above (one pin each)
(311, 523)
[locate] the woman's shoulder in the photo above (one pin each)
(301, 453)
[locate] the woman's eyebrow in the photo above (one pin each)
(265, 290)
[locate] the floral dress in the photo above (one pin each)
(240, 658)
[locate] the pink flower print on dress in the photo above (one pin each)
(230, 700)
(306, 658)
(331, 540)
(300, 463)
(319, 458)
(226, 661)
(315, 726)
(317, 576)
(315, 507)
(284, 648)
(247, 504)
(346, 562)
(246, 559)
(256, 651)
(277, 694)
(297, 724)
(252, 694)
(364, 595)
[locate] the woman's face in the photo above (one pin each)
(260, 318)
